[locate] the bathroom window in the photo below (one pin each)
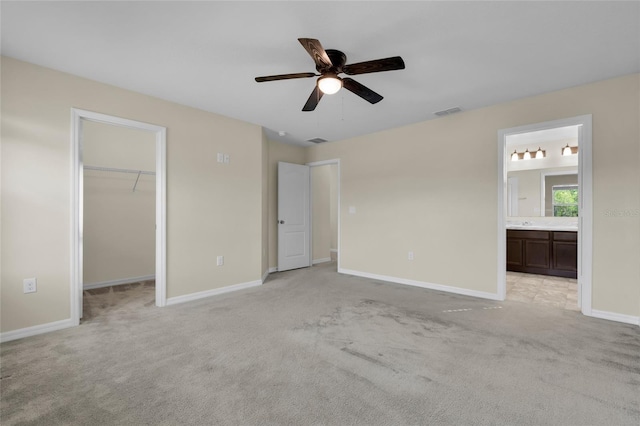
(565, 200)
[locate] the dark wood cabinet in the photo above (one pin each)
(543, 252)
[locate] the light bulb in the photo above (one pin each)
(527, 155)
(566, 150)
(514, 156)
(329, 84)
(539, 153)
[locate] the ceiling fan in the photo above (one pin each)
(330, 63)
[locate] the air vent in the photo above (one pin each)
(317, 140)
(448, 111)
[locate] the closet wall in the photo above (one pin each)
(324, 212)
(119, 223)
(321, 214)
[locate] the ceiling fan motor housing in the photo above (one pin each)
(338, 59)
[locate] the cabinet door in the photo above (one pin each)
(536, 254)
(514, 253)
(565, 256)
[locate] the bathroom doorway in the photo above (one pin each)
(545, 213)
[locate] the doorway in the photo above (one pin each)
(535, 212)
(82, 119)
(295, 214)
(324, 211)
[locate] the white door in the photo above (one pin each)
(293, 216)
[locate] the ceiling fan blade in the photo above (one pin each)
(378, 65)
(317, 52)
(285, 76)
(313, 100)
(360, 90)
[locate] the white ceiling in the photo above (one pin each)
(206, 54)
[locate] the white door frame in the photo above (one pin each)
(77, 200)
(335, 161)
(585, 219)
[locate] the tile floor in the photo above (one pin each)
(551, 291)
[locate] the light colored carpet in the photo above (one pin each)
(311, 347)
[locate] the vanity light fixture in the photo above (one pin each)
(528, 155)
(569, 150)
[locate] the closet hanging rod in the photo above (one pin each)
(113, 169)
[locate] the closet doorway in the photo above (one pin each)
(119, 229)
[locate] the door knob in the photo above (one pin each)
(281, 222)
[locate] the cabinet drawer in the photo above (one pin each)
(565, 236)
(528, 235)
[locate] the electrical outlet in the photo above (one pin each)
(410, 256)
(220, 261)
(220, 157)
(30, 285)
(226, 158)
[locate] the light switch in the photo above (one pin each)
(220, 157)
(226, 158)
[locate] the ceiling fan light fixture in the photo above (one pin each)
(330, 84)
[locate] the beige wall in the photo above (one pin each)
(409, 199)
(119, 224)
(212, 208)
(406, 199)
(278, 151)
(321, 212)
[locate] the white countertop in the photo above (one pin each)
(543, 227)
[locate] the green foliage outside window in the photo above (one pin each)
(565, 201)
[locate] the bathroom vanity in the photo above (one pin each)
(543, 251)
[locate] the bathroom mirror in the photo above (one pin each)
(549, 192)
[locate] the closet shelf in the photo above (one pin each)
(117, 170)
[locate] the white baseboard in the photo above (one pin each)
(209, 293)
(265, 275)
(612, 316)
(273, 269)
(102, 284)
(430, 286)
(323, 260)
(7, 336)
(333, 250)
